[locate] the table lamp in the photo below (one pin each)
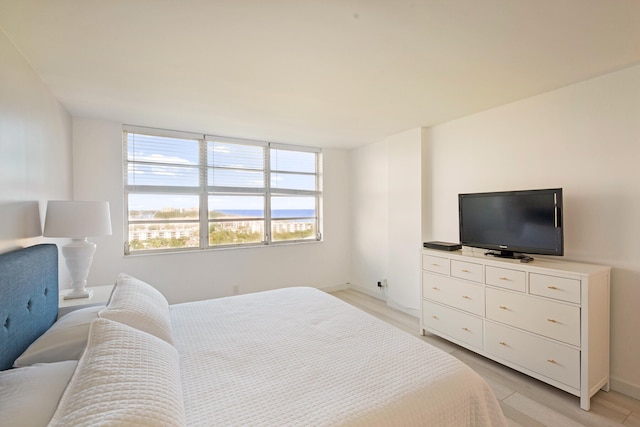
(78, 220)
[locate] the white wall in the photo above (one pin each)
(405, 219)
(584, 138)
(97, 170)
(35, 151)
(387, 218)
(369, 217)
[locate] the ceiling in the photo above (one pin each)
(329, 73)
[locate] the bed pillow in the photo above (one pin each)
(65, 340)
(125, 377)
(29, 396)
(139, 305)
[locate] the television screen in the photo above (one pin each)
(513, 222)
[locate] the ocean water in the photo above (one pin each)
(276, 214)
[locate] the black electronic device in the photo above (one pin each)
(511, 223)
(443, 246)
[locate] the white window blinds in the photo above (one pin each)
(186, 190)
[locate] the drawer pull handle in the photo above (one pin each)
(552, 320)
(552, 361)
(435, 317)
(504, 307)
(435, 265)
(465, 329)
(466, 297)
(552, 287)
(504, 278)
(464, 270)
(503, 343)
(435, 289)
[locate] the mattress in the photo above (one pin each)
(299, 356)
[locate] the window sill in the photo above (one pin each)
(225, 248)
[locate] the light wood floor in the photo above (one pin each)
(524, 400)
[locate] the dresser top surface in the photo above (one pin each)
(539, 262)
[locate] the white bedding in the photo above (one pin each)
(301, 357)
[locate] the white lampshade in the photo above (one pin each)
(77, 219)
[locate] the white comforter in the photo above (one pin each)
(301, 357)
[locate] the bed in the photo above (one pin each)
(293, 356)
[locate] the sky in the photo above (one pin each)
(174, 162)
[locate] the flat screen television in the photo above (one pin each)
(513, 223)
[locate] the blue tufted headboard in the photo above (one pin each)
(28, 298)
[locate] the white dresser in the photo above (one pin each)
(548, 318)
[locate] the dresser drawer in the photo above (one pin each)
(506, 278)
(435, 264)
(467, 270)
(559, 288)
(455, 324)
(456, 293)
(545, 357)
(548, 318)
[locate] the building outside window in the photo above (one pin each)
(189, 191)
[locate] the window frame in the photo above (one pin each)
(204, 191)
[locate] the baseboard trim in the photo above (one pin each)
(379, 294)
(624, 387)
(409, 311)
(335, 288)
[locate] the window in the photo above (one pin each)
(188, 191)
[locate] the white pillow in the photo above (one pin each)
(125, 377)
(139, 305)
(65, 340)
(29, 396)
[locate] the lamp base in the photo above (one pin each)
(80, 293)
(78, 256)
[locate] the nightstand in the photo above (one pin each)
(100, 297)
